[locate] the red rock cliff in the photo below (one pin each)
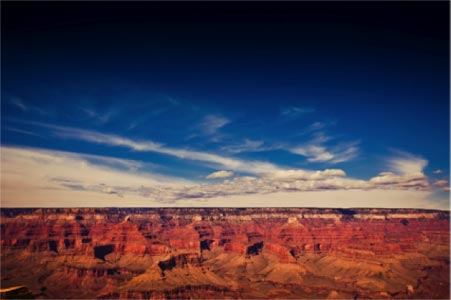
(226, 253)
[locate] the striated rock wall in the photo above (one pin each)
(226, 252)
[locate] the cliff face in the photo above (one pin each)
(223, 253)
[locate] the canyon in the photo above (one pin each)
(225, 253)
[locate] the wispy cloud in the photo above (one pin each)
(100, 117)
(148, 111)
(314, 153)
(17, 102)
(21, 131)
(248, 145)
(89, 112)
(247, 166)
(314, 127)
(317, 151)
(405, 163)
(295, 112)
(406, 171)
(220, 174)
(212, 123)
(438, 171)
(20, 104)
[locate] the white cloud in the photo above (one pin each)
(406, 163)
(412, 180)
(220, 174)
(305, 175)
(38, 177)
(406, 172)
(31, 172)
(212, 123)
(345, 152)
(314, 153)
(438, 171)
(318, 152)
(280, 181)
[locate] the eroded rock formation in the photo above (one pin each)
(143, 253)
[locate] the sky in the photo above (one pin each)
(292, 104)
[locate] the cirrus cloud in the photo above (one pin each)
(212, 123)
(230, 163)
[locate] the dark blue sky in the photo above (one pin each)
(299, 85)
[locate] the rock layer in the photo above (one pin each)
(143, 253)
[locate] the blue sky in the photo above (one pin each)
(194, 102)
